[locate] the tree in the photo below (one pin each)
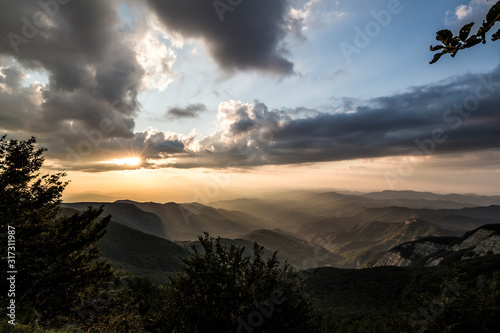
(452, 44)
(220, 290)
(55, 256)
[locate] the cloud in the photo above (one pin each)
(153, 55)
(96, 63)
(190, 111)
(315, 13)
(460, 115)
(457, 116)
(18, 104)
(95, 154)
(242, 37)
(297, 18)
(474, 11)
(97, 66)
(463, 11)
(94, 72)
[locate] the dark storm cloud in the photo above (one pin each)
(450, 117)
(12, 77)
(84, 115)
(190, 111)
(248, 36)
(89, 55)
(93, 71)
(454, 117)
(89, 153)
(158, 144)
(17, 103)
(400, 124)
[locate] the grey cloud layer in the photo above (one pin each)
(452, 117)
(93, 71)
(95, 77)
(190, 111)
(88, 53)
(248, 37)
(253, 135)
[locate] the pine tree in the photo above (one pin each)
(55, 256)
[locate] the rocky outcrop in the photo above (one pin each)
(433, 262)
(474, 239)
(433, 251)
(405, 254)
(491, 245)
(363, 245)
(392, 258)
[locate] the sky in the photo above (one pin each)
(202, 100)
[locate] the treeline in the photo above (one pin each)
(454, 297)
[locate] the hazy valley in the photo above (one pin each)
(370, 261)
(308, 229)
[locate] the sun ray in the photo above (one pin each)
(131, 161)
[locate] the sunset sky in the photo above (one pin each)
(201, 100)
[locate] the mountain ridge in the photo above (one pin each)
(481, 241)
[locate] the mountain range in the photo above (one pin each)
(308, 229)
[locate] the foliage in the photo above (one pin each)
(475, 308)
(55, 256)
(220, 289)
(147, 297)
(459, 297)
(452, 44)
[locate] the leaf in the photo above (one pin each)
(436, 57)
(454, 42)
(473, 40)
(494, 13)
(465, 31)
(444, 36)
(496, 36)
(437, 47)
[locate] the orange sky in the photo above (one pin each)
(206, 185)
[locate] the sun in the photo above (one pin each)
(132, 161)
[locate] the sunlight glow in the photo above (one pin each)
(133, 161)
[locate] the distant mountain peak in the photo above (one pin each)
(125, 201)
